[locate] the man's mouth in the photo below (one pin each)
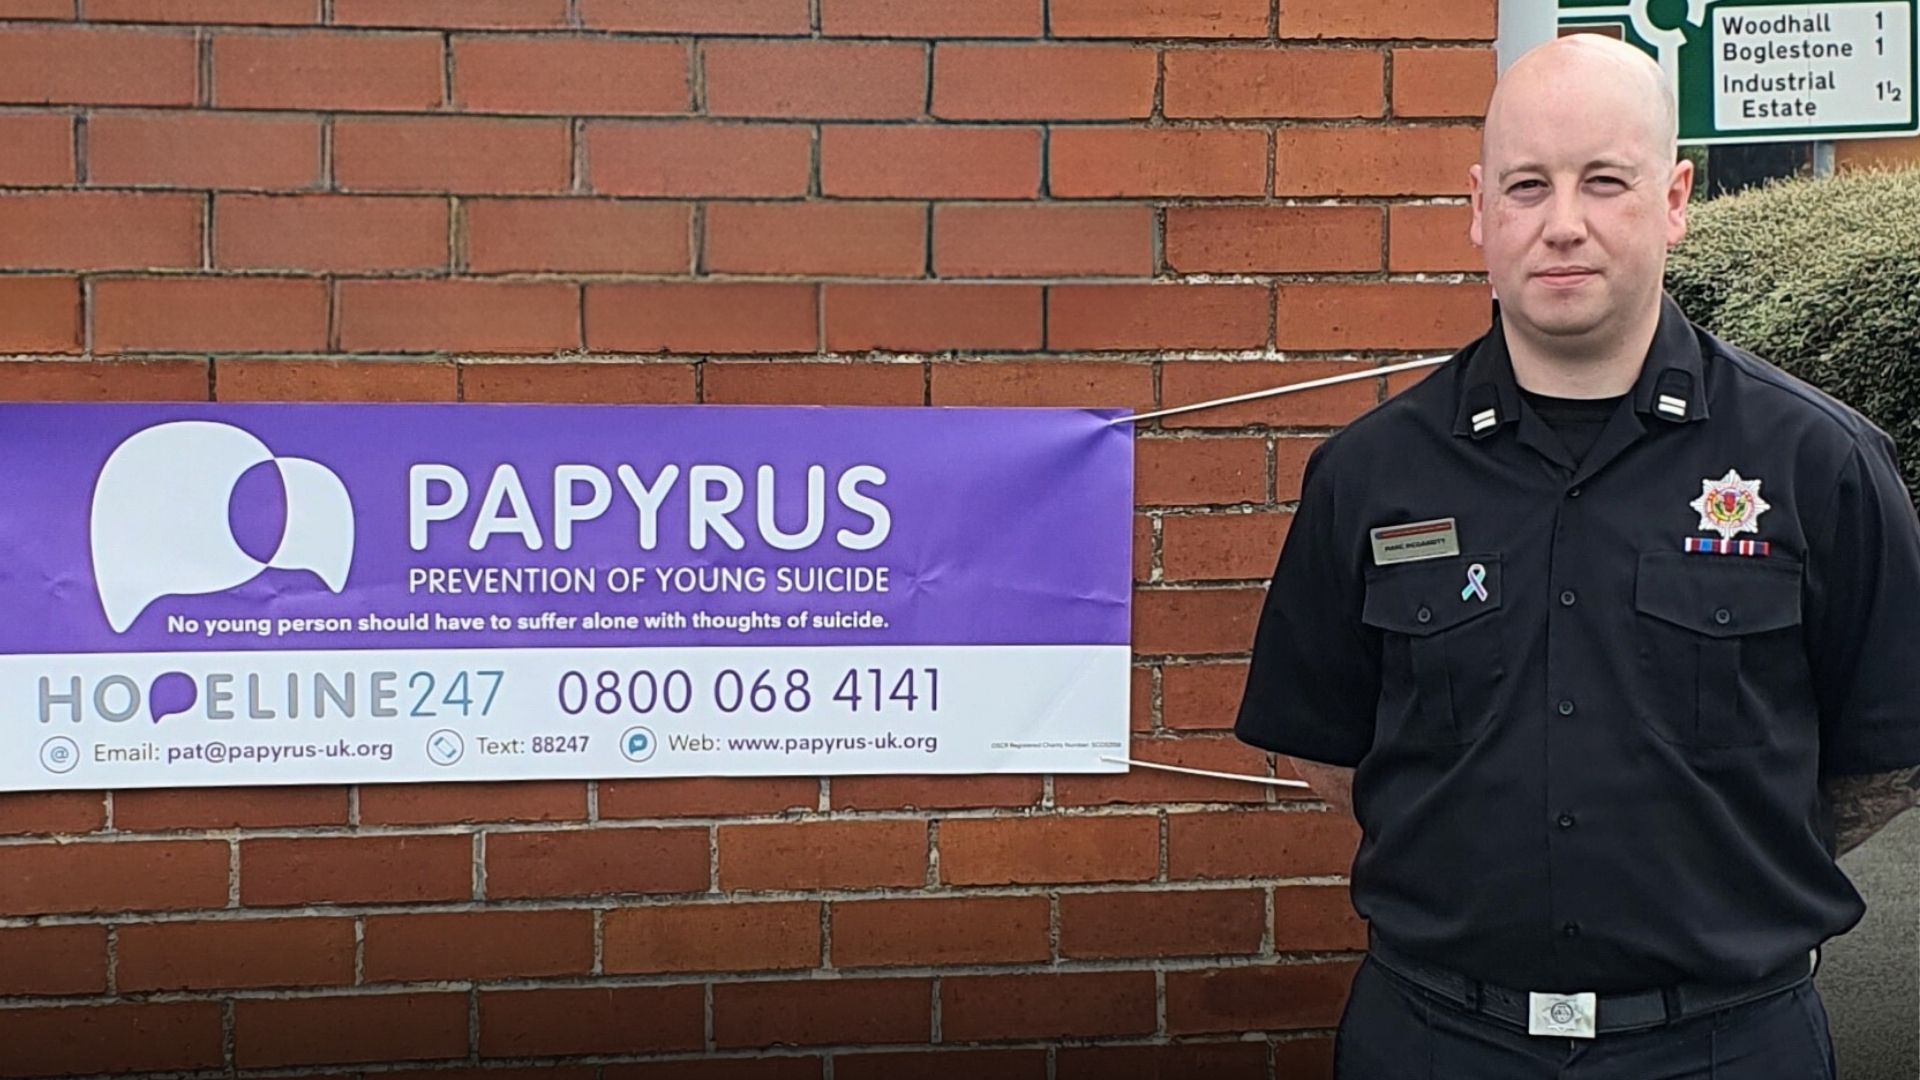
(1566, 276)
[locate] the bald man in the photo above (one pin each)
(1603, 632)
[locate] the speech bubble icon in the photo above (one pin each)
(171, 694)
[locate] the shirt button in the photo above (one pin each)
(1424, 615)
(1573, 493)
(1723, 616)
(1567, 598)
(1571, 930)
(1566, 821)
(1566, 708)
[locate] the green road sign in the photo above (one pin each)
(1763, 71)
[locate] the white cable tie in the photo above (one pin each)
(1311, 384)
(1268, 780)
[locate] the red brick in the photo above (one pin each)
(209, 314)
(453, 14)
(1048, 850)
(370, 1028)
(932, 18)
(712, 937)
(1273, 239)
(482, 1072)
(334, 380)
(39, 315)
(707, 796)
(1043, 82)
(45, 961)
(456, 154)
(1146, 785)
(203, 150)
(39, 149)
(37, 9)
(932, 318)
(1215, 1061)
(918, 161)
(1194, 621)
(181, 875)
(1199, 472)
(1202, 697)
(1442, 82)
(89, 65)
(823, 855)
(332, 70)
(1306, 1058)
(1140, 693)
(618, 383)
(447, 804)
(1316, 918)
(1312, 161)
(771, 17)
(827, 80)
(1159, 316)
(1105, 162)
(578, 236)
(1143, 525)
(1222, 547)
(571, 76)
(822, 1012)
(113, 1039)
(1380, 316)
(1285, 83)
(588, 863)
(1159, 18)
(478, 945)
(355, 870)
(637, 1019)
(1388, 19)
(329, 232)
(1042, 240)
(930, 792)
(458, 316)
(99, 380)
(249, 953)
(943, 1064)
(256, 12)
(932, 933)
(703, 317)
(1260, 844)
(1281, 998)
(850, 239)
(831, 383)
(155, 809)
(1326, 406)
(1432, 239)
(697, 158)
(1214, 922)
(705, 1067)
(1050, 1006)
(86, 230)
(1085, 384)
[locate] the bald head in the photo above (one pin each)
(1580, 78)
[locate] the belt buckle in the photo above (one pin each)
(1569, 1016)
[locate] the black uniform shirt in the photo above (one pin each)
(1587, 754)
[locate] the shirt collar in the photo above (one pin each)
(1670, 386)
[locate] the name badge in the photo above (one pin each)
(1416, 540)
(1569, 1016)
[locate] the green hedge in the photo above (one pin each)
(1822, 277)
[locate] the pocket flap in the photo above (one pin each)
(1719, 595)
(1428, 597)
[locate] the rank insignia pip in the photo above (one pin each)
(1730, 505)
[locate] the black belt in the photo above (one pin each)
(1616, 1012)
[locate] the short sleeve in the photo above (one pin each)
(1313, 682)
(1863, 595)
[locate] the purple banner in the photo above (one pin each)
(171, 528)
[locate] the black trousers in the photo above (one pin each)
(1394, 1030)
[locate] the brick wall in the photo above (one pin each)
(1100, 202)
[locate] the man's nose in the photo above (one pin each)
(1566, 218)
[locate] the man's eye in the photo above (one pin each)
(1609, 181)
(1522, 187)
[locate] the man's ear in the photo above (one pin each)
(1679, 193)
(1478, 192)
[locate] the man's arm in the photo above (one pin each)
(1330, 782)
(1862, 805)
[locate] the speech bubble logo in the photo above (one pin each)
(160, 524)
(171, 694)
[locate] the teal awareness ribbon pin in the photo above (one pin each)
(1476, 583)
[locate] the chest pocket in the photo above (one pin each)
(1720, 645)
(1442, 654)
